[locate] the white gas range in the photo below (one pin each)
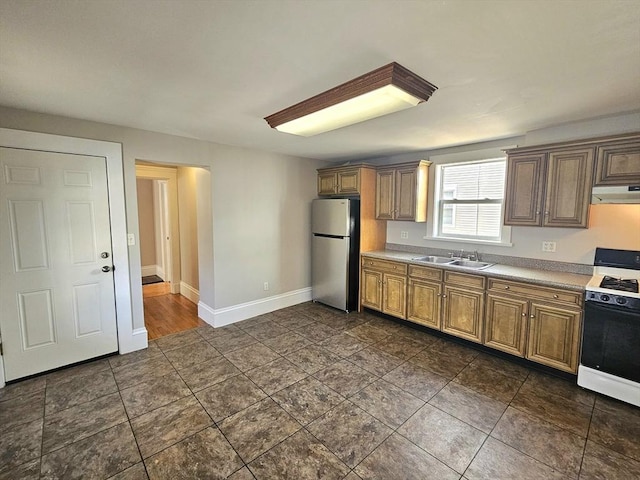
(610, 360)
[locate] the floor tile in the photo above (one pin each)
(79, 390)
(276, 375)
(415, 332)
(441, 362)
(313, 358)
(226, 398)
(293, 321)
(560, 411)
(99, 456)
(23, 387)
(368, 333)
(209, 333)
(353, 476)
(342, 321)
(448, 345)
(300, 456)
(257, 428)
(469, 406)
(82, 421)
(191, 354)
(343, 344)
(618, 431)
(398, 458)
(242, 474)
(26, 471)
(178, 340)
(142, 371)
(208, 373)
(401, 347)
(560, 387)
(616, 407)
(375, 361)
(602, 463)
(167, 425)
(349, 432)
(22, 409)
(307, 400)
(233, 341)
(287, 343)
(417, 381)
(253, 356)
(502, 365)
(20, 444)
(137, 472)
(84, 369)
(547, 443)
(316, 332)
(497, 461)
(489, 382)
(450, 440)
(207, 454)
(265, 330)
(388, 403)
(147, 396)
(345, 378)
(151, 351)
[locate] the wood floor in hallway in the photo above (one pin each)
(166, 313)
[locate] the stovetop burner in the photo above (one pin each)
(622, 284)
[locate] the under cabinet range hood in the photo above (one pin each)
(623, 194)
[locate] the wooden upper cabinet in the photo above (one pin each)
(401, 191)
(339, 180)
(618, 162)
(549, 188)
(327, 183)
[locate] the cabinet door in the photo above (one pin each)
(405, 194)
(618, 164)
(524, 190)
(506, 324)
(327, 183)
(568, 189)
(463, 312)
(385, 194)
(349, 182)
(394, 295)
(554, 336)
(371, 295)
(423, 306)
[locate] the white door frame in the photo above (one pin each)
(163, 226)
(112, 152)
(156, 172)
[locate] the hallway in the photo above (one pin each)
(166, 313)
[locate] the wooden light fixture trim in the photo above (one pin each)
(391, 74)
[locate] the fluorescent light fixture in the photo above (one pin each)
(385, 90)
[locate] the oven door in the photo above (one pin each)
(611, 340)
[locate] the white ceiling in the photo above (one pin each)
(213, 69)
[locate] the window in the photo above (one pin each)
(469, 200)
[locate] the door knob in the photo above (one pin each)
(107, 268)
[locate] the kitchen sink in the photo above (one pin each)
(433, 259)
(470, 264)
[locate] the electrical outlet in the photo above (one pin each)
(404, 234)
(548, 246)
(131, 239)
(266, 286)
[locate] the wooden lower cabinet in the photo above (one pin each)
(423, 303)
(506, 324)
(371, 289)
(463, 313)
(554, 336)
(394, 295)
(384, 286)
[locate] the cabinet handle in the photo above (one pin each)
(507, 287)
(556, 296)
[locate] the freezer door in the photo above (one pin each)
(330, 216)
(329, 270)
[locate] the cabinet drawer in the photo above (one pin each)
(426, 273)
(384, 265)
(464, 279)
(535, 291)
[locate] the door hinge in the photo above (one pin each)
(1, 352)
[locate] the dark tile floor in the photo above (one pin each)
(311, 393)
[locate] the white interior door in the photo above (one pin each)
(58, 305)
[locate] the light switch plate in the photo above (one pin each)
(131, 239)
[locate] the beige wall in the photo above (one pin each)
(187, 214)
(146, 223)
(258, 228)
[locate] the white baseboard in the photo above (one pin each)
(235, 313)
(139, 341)
(148, 270)
(160, 273)
(2, 382)
(189, 292)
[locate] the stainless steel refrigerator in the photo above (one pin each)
(335, 251)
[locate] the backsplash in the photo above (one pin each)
(499, 259)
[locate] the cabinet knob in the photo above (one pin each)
(546, 214)
(538, 212)
(524, 314)
(507, 287)
(532, 316)
(556, 296)
(444, 296)
(394, 267)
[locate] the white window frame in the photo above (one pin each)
(504, 237)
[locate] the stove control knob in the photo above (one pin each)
(621, 300)
(604, 298)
